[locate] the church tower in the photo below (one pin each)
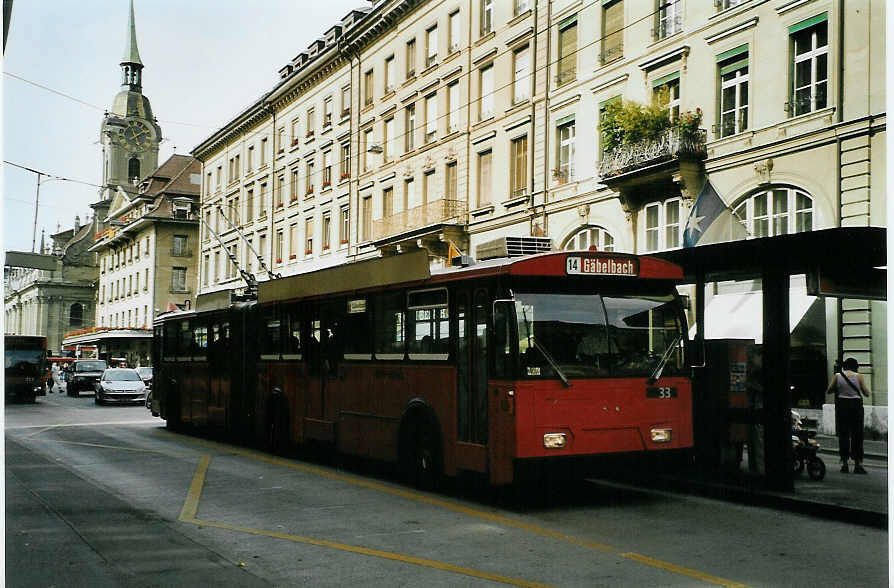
(129, 135)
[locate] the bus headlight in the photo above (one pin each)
(662, 435)
(555, 440)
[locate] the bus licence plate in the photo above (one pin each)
(661, 392)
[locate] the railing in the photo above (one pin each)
(671, 145)
(436, 211)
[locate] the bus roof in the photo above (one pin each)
(413, 267)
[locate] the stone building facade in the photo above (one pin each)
(461, 122)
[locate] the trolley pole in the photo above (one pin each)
(36, 204)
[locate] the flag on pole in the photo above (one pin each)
(452, 251)
(711, 221)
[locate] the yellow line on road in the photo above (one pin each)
(506, 521)
(655, 563)
(409, 559)
(191, 506)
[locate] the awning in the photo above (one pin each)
(741, 316)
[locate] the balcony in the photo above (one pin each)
(432, 213)
(673, 145)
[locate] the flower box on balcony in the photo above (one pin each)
(309, 191)
(293, 197)
(345, 112)
(295, 141)
(279, 204)
(293, 256)
(309, 134)
(308, 252)
(279, 260)
(345, 176)
(327, 183)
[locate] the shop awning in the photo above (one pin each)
(741, 316)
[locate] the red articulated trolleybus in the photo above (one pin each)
(497, 366)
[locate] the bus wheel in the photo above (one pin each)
(421, 455)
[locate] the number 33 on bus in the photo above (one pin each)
(496, 367)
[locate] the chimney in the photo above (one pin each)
(77, 226)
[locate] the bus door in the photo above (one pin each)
(322, 366)
(472, 306)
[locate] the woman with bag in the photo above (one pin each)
(848, 386)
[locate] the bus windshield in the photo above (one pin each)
(591, 335)
(23, 361)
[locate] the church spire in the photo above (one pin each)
(131, 66)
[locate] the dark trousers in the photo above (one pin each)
(850, 428)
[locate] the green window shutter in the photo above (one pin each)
(605, 103)
(607, 2)
(565, 120)
(808, 23)
(571, 20)
(733, 66)
(733, 53)
(665, 79)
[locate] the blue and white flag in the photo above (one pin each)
(711, 221)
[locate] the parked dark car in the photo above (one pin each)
(120, 385)
(83, 375)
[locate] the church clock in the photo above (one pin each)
(137, 135)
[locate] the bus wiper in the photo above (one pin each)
(656, 373)
(549, 358)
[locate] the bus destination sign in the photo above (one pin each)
(601, 266)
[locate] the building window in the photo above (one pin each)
(810, 48)
(734, 94)
(567, 53)
(309, 236)
(450, 181)
(133, 169)
(263, 154)
(409, 194)
(280, 190)
(249, 158)
(390, 75)
(367, 143)
(484, 178)
(345, 226)
(311, 123)
(670, 18)
(486, 93)
(278, 246)
(453, 107)
(388, 140)
(612, 31)
(410, 127)
(564, 170)
(777, 211)
(368, 88)
(518, 164)
(431, 118)
(178, 279)
(179, 248)
(487, 16)
(387, 202)
(411, 58)
(205, 262)
(293, 240)
(309, 178)
(146, 281)
(453, 31)
(280, 140)
(345, 101)
(293, 185)
(249, 205)
(262, 202)
(521, 82)
(589, 236)
(76, 315)
(666, 93)
(345, 161)
(326, 231)
(431, 46)
(663, 225)
(327, 169)
(520, 6)
(327, 112)
(428, 179)
(366, 218)
(724, 4)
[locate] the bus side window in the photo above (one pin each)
(270, 337)
(292, 345)
(184, 339)
(390, 329)
(356, 325)
(503, 339)
(429, 324)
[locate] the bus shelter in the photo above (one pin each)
(847, 262)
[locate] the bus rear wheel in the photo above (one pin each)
(421, 456)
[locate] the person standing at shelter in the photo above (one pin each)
(848, 387)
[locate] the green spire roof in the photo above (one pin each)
(131, 53)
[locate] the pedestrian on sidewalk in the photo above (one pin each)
(848, 386)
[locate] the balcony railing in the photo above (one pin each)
(671, 145)
(434, 212)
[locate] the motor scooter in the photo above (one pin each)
(804, 450)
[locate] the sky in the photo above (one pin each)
(204, 61)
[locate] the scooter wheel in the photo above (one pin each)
(798, 465)
(816, 469)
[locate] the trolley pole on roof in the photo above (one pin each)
(249, 278)
(247, 243)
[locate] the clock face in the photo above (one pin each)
(137, 135)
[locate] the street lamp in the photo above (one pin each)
(37, 202)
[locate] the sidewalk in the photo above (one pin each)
(852, 498)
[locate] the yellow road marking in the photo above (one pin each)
(472, 512)
(191, 506)
(655, 563)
